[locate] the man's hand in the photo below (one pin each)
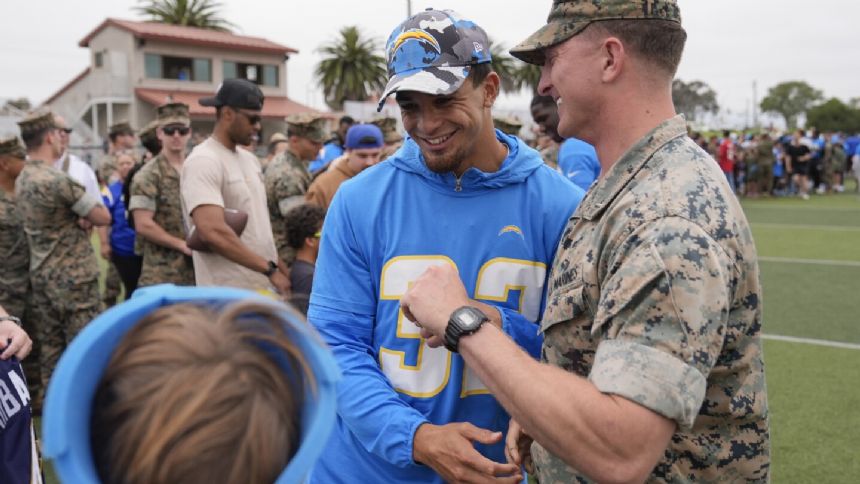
(281, 283)
(105, 251)
(449, 450)
(433, 297)
(182, 246)
(518, 447)
(19, 343)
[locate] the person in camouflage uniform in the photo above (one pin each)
(63, 267)
(287, 177)
(653, 305)
(764, 160)
(155, 204)
(392, 138)
(15, 271)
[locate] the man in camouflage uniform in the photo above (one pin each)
(509, 125)
(653, 305)
(15, 253)
(63, 267)
(155, 204)
(287, 178)
(392, 138)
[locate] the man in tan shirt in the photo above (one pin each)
(217, 175)
(363, 147)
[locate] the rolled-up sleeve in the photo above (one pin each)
(662, 318)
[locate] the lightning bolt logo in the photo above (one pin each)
(416, 34)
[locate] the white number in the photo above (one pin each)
(432, 369)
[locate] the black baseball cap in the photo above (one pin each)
(236, 93)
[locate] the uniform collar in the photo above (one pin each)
(619, 175)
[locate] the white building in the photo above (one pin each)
(137, 66)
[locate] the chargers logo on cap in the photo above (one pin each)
(419, 35)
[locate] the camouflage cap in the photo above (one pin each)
(149, 131)
(120, 128)
(173, 113)
(388, 125)
(432, 52)
(11, 145)
(277, 138)
(570, 17)
(308, 125)
(508, 125)
(36, 121)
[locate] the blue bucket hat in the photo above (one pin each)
(432, 52)
(69, 400)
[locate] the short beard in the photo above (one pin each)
(448, 162)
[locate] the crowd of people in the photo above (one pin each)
(799, 163)
(437, 279)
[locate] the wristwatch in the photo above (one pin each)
(11, 318)
(273, 268)
(463, 321)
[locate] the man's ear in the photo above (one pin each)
(614, 59)
(491, 89)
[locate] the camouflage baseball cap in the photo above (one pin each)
(308, 125)
(173, 113)
(570, 17)
(388, 125)
(277, 138)
(148, 131)
(121, 128)
(508, 125)
(11, 145)
(432, 52)
(37, 121)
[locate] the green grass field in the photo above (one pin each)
(810, 263)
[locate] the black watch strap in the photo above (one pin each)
(273, 267)
(458, 326)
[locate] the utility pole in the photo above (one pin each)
(408, 8)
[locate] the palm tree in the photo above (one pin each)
(351, 69)
(190, 13)
(505, 66)
(527, 76)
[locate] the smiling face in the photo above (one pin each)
(571, 75)
(449, 129)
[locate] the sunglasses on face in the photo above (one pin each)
(252, 118)
(171, 130)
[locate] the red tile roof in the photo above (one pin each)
(191, 35)
(273, 107)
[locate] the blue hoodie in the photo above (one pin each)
(383, 229)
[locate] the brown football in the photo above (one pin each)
(235, 219)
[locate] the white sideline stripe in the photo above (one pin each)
(820, 262)
(803, 207)
(834, 228)
(811, 341)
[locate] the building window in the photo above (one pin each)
(263, 74)
(99, 59)
(179, 68)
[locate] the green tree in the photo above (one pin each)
(834, 115)
(528, 76)
(351, 69)
(191, 13)
(790, 99)
(505, 66)
(694, 98)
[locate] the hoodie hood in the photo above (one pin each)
(521, 162)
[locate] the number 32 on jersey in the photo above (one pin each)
(431, 373)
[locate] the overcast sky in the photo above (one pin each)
(731, 42)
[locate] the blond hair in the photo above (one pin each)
(195, 395)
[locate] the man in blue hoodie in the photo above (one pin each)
(459, 192)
